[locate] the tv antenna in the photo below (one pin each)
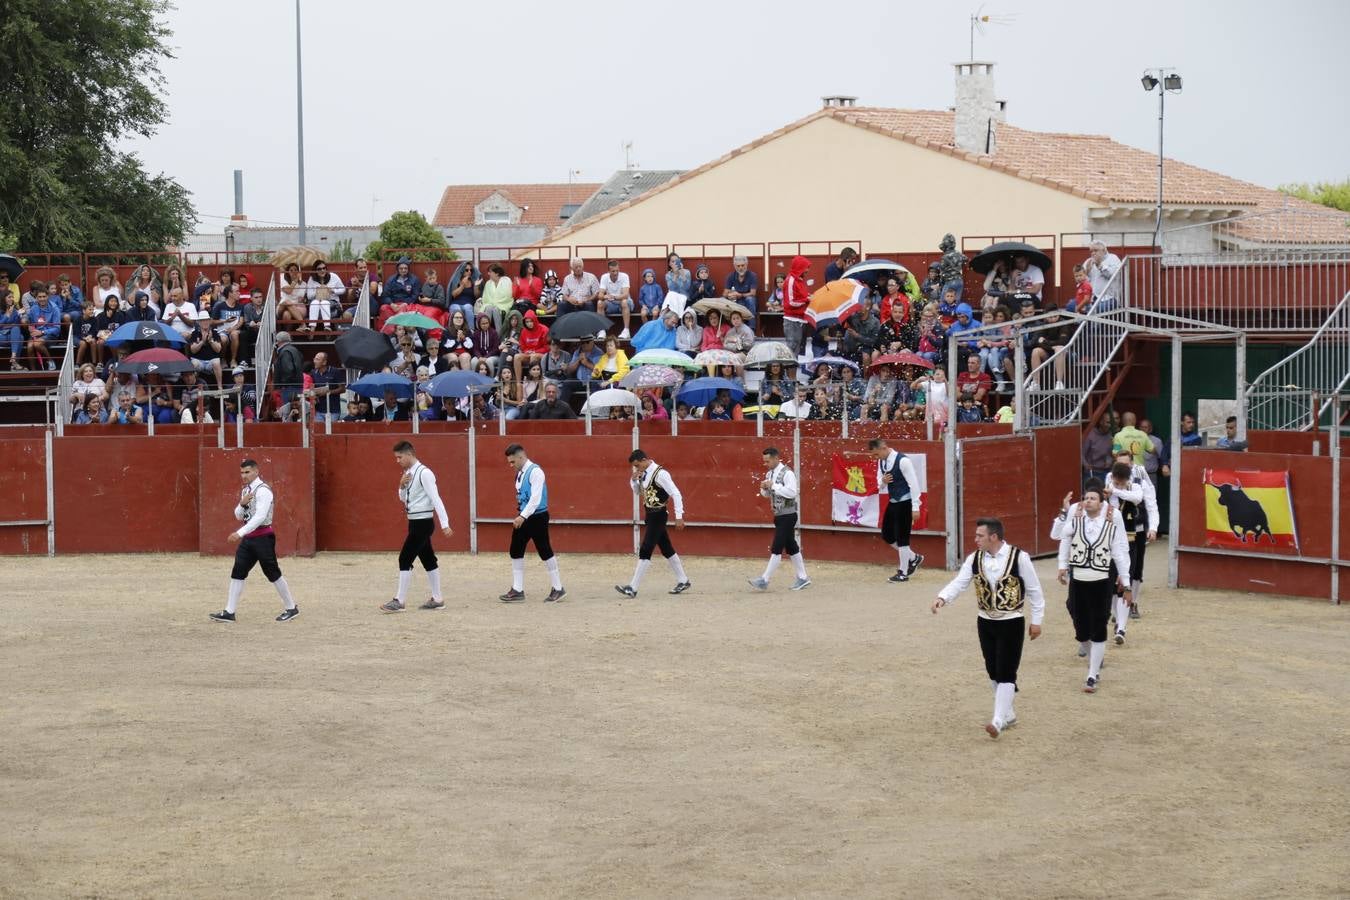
(980, 18)
(628, 155)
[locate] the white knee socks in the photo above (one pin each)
(638, 571)
(1096, 653)
(553, 576)
(677, 566)
(904, 557)
(773, 564)
(1003, 702)
(283, 591)
(404, 579)
(518, 574)
(799, 564)
(434, 580)
(1122, 611)
(236, 591)
(1136, 588)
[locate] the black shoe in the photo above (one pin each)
(1090, 686)
(223, 616)
(625, 589)
(512, 596)
(1134, 610)
(288, 614)
(558, 593)
(898, 577)
(681, 587)
(914, 564)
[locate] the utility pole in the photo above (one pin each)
(299, 126)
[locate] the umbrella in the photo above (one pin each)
(701, 391)
(11, 266)
(873, 270)
(722, 305)
(374, 385)
(836, 301)
(833, 362)
(144, 331)
(159, 360)
(577, 325)
(985, 259)
(414, 320)
(602, 400)
(717, 358)
(458, 383)
(364, 349)
(651, 377)
(304, 257)
(765, 352)
(659, 357)
(903, 358)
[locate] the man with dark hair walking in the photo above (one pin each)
(896, 479)
(257, 544)
(421, 499)
(1005, 585)
(1093, 548)
(530, 524)
(657, 491)
(780, 486)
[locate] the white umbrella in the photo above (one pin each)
(603, 400)
(765, 352)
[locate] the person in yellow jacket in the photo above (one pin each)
(613, 365)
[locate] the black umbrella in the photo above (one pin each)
(985, 259)
(576, 325)
(364, 349)
(10, 266)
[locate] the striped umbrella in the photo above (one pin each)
(836, 301)
(661, 357)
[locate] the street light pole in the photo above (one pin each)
(299, 127)
(1164, 80)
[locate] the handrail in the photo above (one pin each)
(65, 382)
(267, 331)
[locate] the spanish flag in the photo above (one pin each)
(1249, 510)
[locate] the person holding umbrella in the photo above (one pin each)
(257, 544)
(421, 500)
(796, 298)
(657, 491)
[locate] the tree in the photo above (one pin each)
(1328, 193)
(75, 77)
(341, 251)
(407, 230)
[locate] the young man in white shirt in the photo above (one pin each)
(1005, 585)
(257, 544)
(615, 298)
(896, 479)
(530, 524)
(780, 486)
(799, 407)
(1092, 540)
(421, 498)
(657, 491)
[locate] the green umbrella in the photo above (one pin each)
(659, 357)
(414, 320)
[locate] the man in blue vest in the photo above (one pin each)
(896, 480)
(530, 524)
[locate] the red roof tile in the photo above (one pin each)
(545, 201)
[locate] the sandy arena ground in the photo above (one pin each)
(720, 744)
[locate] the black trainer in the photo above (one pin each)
(558, 593)
(512, 596)
(681, 587)
(898, 577)
(223, 616)
(288, 614)
(914, 563)
(625, 589)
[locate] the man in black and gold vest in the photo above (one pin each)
(1006, 588)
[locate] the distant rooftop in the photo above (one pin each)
(622, 186)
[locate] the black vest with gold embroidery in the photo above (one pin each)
(1003, 596)
(653, 495)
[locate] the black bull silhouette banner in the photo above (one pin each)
(1249, 510)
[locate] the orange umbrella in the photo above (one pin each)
(836, 301)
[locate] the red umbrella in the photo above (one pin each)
(157, 359)
(903, 358)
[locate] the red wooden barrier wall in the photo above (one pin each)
(23, 485)
(289, 471)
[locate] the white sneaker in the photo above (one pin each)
(1059, 385)
(800, 584)
(623, 335)
(759, 584)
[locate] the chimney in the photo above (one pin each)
(238, 216)
(839, 101)
(977, 112)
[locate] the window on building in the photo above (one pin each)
(497, 217)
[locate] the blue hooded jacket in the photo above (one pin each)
(651, 295)
(654, 336)
(403, 288)
(957, 328)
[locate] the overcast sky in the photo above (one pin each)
(403, 97)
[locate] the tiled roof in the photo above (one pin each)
(1093, 167)
(545, 201)
(622, 186)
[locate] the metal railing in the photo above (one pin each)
(267, 332)
(1297, 392)
(65, 383)
(361, 314)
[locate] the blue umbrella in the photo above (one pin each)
(701, 391)
(144, 331)
(376, 384)
(458, 383)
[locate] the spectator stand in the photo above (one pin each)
(48, 267)
(1073, 250)
(124, 264)
(253, 263)
(554, 257)
(970, 245)
(778, 257)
